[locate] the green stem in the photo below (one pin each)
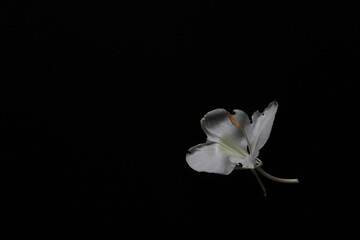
(276, 179)
(259, 181)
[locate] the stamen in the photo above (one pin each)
(233, 121)
(236, 123)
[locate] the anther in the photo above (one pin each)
(232, 120)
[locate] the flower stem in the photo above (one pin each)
(276, 179)
(259, 181)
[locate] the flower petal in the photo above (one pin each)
(259, 131)
(206, 157)
(218, 128)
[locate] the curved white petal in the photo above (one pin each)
(206, 157)
(259, 130)
(218, 128)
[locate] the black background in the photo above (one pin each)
(101, 101)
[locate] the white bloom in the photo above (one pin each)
(233, 142)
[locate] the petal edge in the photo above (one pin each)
(205, 157)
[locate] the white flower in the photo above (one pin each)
(234, 142)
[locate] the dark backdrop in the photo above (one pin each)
(102, 101)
